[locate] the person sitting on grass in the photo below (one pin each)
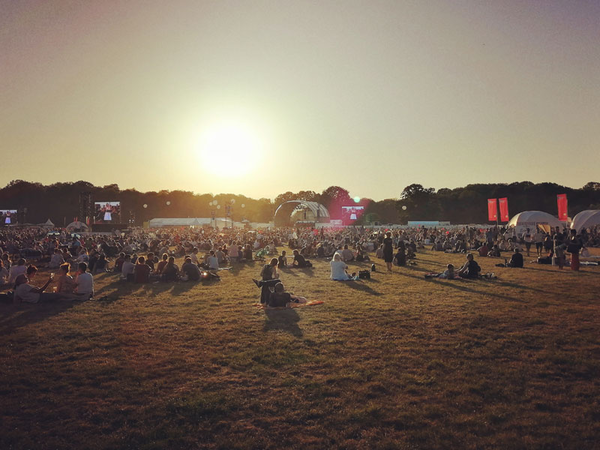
(447, 274)
(141, 271)
(347, 255)
(300, 261)
(282, 260)
(516, 260)
(270, 277)
(470, 269)
(339, 269)
(56, 260)
(65, 283)
(170, 271)
(361, 256)
(118, 262)
(161, 265)
(25, 292)
(85, 283)
(15, 271)
(127, 269)
(101, 264)
(212, 261)
(190, 270)
(281, 299)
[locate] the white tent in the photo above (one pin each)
(77, 226)
(47, 224)
(532, 219)
(178, 222)
(586, 219)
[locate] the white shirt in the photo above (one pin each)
(14, 272)
(25, 292)
(338, 270)
(213, 262)
(127, 268)
(85, 284)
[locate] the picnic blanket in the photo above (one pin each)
(292, 305)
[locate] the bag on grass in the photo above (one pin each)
(364, 274)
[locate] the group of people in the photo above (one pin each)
(80, 287)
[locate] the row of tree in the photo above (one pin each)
(60, 202)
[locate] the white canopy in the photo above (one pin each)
(179, 222)
(48, 224)
(586, 219)
(531, 219)
(77, 226)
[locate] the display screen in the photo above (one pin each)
(107, 212)
(352, 213)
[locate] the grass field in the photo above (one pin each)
(394, 362)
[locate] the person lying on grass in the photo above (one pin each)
(281, 299)
(447, 274)
(470, 268)
(25, 292)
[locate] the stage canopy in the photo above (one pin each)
(300, 210)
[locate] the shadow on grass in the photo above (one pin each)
(462, 285)
(283, 320)
(289, 271)
(361, 287)
(17, 316)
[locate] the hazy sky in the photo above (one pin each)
(261, 97)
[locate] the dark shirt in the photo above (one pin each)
(279, 299)
(141, 273)
(300, 260)
(516, 260)
(191, 270)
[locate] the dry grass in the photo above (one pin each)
(394, 362)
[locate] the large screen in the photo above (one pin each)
(107, 212)
(352, 213)
(8, 216)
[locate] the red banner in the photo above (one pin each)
(492, 210)
(561, 200)
(503, 203)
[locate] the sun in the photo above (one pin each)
(230, 149)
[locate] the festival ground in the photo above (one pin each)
(397, 361)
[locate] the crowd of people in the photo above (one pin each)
(146, 255)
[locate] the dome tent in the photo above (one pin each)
(77, 226)
(533, 219)
(586, 219)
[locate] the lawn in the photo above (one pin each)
(397, 361)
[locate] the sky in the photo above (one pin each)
(263, 97)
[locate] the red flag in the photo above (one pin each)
(503, 203)
(492, 210)
(561, 200)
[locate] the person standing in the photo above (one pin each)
(573, 247)
(388, 250)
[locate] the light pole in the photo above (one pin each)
(214, 206)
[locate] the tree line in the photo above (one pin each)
(60, 202)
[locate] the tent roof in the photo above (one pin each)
(533, 218)
(179, 221)
(77, 225)
(586, 219)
